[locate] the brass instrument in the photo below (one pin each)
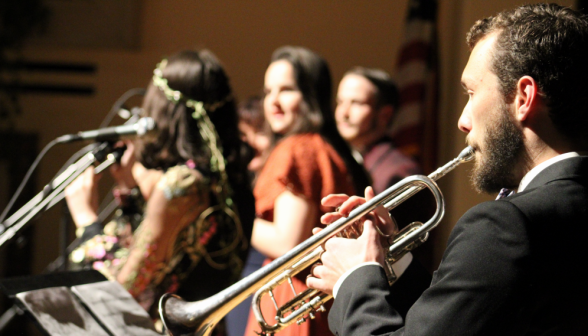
(200, 317)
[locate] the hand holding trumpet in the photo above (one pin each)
(344, 254)
(341, 254)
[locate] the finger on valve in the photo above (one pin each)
(353, 202)
(334, 200)
(330, 217)
(354, 230)
(337, 201)
(384, 223)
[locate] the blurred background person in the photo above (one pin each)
(367, 100)
(186, 207)
(255, 132)
(308, 160)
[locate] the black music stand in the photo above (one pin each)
(79, 303)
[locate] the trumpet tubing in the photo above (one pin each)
(200, 317)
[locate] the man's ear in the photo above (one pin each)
(527, 98)
(385, 115)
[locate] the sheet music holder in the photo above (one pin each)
(115, 308)
(79, 303)
(58, 312)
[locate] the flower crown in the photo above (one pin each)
(205, 126)
(177, 96)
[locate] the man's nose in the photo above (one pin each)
(342, 110)
(464, 123)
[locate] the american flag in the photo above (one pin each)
(414, 130)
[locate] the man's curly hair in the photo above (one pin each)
(549, 43)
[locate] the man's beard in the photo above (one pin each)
(503, 155)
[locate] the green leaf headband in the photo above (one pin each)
(206, 127)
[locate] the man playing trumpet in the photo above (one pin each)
(515, 266)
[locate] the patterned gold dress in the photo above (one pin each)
(194, 250)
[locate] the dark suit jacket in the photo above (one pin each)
(517, 266)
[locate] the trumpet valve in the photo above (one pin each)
(300, 321)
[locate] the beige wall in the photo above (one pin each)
(243, 34)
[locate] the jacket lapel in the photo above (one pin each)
(572, 168)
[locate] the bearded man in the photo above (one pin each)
(514, 266)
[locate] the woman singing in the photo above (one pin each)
(186, 207)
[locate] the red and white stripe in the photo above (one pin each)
(414, 129)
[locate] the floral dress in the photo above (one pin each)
(202, 232)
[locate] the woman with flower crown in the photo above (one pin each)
(185, 204)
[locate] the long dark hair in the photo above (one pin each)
(199, 76)
(313, 78)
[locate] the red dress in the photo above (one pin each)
(309, 167)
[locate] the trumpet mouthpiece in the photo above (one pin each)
(467, 154)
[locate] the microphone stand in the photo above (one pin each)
(54, 191)
(64, 225)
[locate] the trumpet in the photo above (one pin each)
(200, 317)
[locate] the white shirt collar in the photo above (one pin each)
(540, 167)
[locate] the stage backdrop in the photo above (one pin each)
(123, 40)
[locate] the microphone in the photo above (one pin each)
(142, 127)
